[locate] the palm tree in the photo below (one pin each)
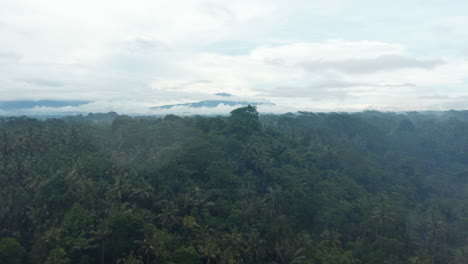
(151, 245)
(271, 200)
(5, 148)
(209, 251)
(85, 189)
(120, 186)
(130, 259)
(234, 247)
(99, 236)
(256, 246)
(53, 236)
(331, 238)
(461, 256)
(169, 216)
(422, 257)
(382, 213)
(208, 246)
(296, 258)
(292, 250)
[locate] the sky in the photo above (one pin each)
(334, 55)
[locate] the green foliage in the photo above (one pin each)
(130, 259)
(297, 188)
(125, 228)
(11, 251)
(186, 256)
(57, 256)
(76, 222)
(244, 121)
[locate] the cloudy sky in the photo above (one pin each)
(306, 55)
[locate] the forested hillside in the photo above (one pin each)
(308, 188)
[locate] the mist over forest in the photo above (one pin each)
(312, 188)
(233, 132)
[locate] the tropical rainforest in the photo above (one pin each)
(312, 188)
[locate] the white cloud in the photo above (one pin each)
(380, 63)
(137, 108)
(342, 54)
(330, 50)
(9, 57)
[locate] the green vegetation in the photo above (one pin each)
(309, 188)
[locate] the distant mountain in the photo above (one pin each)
(211, 104)
(224, 94)
(220, 103)
(28, 104)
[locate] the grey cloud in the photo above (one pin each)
(335, 85)
(190, 83)
(325, 90)
(463, 51)
(186, 84)
(276, 61)
(397, 85)
(460, 103)
(218, 11)
(342, 84)
(435, 97)
(317, 92)
(43, 82)
(442, 29)
(143, 45)
(10, 56)
(139, 57)
(202, 81)
(229, 47)
(361, 66)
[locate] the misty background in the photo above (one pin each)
(336, 55)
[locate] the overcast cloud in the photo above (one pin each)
(126, 56)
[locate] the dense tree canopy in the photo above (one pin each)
(309, 188)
